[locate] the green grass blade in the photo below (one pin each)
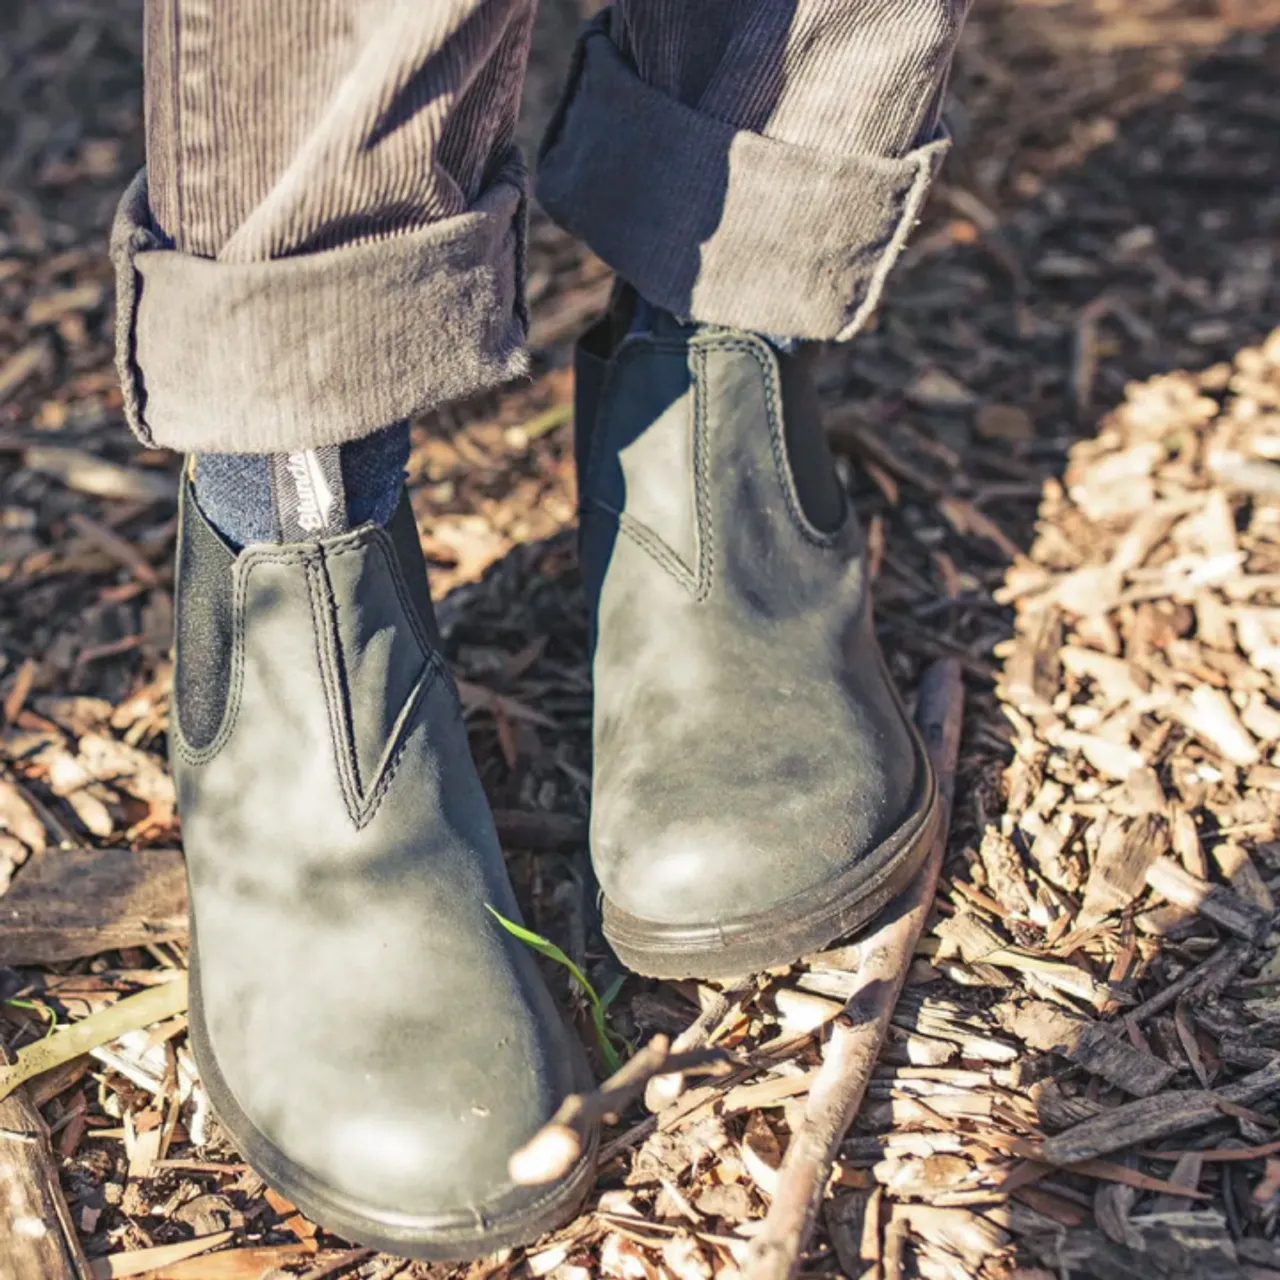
(42, 1009)
(605, 1035)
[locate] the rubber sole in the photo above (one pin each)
(797, 927)
(438, 1238)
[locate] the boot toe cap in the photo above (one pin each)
(680, 851)
(420, 1172)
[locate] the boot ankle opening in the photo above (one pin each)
(813, 469)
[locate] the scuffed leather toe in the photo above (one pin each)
(691, 825)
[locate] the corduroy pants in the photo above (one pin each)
(329, 234)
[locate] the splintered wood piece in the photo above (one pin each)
(236, 1264)
(1033, 672)
(1185, 839)
(959, 1231)
(17, 816)
(800, 1011)
(68, 903)
(1209, 714)
(85, 472)
(1238, 870)
(1095, 1047)
(1119, 873)
(850, 1053)
(1225, 908)
(852, 1224)
(1027, 1172)
(135, 1262)
(40, 1238)
(1155, 1117)
(1115, 678)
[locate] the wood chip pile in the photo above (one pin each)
(1063, 436)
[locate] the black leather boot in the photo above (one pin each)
(759, 789)
(372, 1039)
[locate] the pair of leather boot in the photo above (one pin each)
(372, 1038)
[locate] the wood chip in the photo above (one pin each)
(88, 473)
(28, 360)
(1119, 873)
(1096, 1047)
(1221, 905)
(79, 902)
(1208, 713)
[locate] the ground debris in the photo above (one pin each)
(1062, 433)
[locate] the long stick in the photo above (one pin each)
(857, 1034)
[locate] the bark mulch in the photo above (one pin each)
(1063, 436)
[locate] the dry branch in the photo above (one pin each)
(857, 1035)
(554, 1149)
(1152, 1118)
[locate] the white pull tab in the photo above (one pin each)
(307, 491)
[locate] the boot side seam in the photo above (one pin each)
(703, 523)
(654, 547)
(363, 801)
(696, 579)
(336, 699)
(431, 656)
(361, 805)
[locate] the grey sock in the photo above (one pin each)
(258, 497)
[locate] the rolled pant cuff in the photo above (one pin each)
(300, 352)
(719, 224)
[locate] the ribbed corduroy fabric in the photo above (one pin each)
(842, 77)
(753, 163)
(330, 237)
(303, 125)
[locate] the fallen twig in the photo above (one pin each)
(663, 1090)
(554, 1149)
(1152, 1118)
(141, 1010)
(1213, 972)
(857, 1035)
